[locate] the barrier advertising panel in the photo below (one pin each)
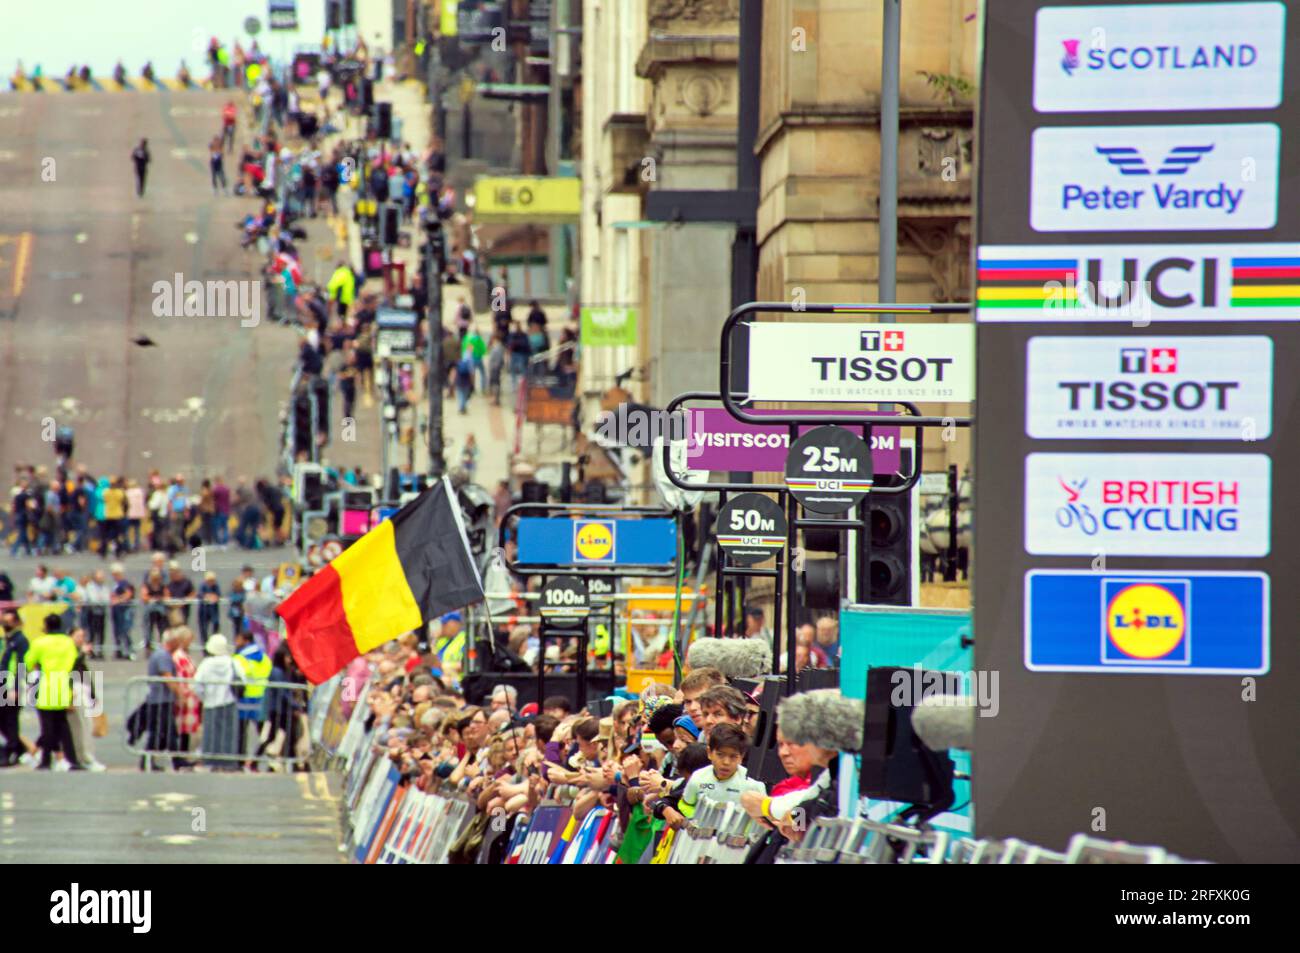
(1137, 284)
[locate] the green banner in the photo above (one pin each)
(608, 327)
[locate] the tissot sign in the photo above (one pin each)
(1133, 387)
(841, 362)
(1137, 287)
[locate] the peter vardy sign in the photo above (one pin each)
(841, 362)
(1122, 59)
(1155, 178)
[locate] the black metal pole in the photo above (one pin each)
(792, 510)
(582, 669)
(433, 359)
(950, 567)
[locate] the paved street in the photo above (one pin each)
(79, 256)
(122, 816)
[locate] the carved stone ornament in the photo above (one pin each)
(947, 253)
(933, 145)
(701, 93)
(663, 12)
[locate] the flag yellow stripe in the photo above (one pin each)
(376, 596)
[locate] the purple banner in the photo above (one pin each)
(718, 441)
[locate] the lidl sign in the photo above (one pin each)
(1168, 623)
(597, 542)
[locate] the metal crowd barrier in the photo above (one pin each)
(271, 729)
(860, 841)
(719, 833)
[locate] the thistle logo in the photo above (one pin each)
(1147, 620)
(1130, 162)
(882, 341)
(1070, 62)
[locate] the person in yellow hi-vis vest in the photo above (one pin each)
(53, 655)
(450, 644)
(254, 667)
(600, 641)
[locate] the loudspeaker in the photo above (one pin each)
(896, 764)
(390, 223)
(383, 118)
(763, 761)
(821, 583)
(365, 92)
(349, 13)
(333, 15)
(531, 491)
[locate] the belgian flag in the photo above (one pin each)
(407, 570)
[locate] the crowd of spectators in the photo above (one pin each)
(71, 510)
(651, 759)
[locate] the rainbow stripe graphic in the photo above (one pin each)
(1265, 282)
(1027, 283)
(768, 542)
(848, 486)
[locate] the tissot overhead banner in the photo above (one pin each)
(848, 363)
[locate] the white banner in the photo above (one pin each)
(1154, 178)
(1149, 388)
(1162, 56)
(1147, 504)
(853, 362)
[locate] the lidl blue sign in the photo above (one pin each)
(597, 542)
(1190, 623)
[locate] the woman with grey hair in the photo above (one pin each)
(216, 682)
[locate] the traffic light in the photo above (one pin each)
(390, 223)
(302, 429)
(382, 114)
(889, 569)
(321, 388)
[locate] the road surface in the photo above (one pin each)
(79, 256)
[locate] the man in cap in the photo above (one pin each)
(450, 644)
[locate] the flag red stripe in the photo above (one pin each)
(319, 635)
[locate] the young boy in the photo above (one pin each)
(725, 778)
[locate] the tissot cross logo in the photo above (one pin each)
(1130, 161)
(882, 341)
(1141, 360)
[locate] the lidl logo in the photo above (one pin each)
(1148, 621)
(593, 541)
